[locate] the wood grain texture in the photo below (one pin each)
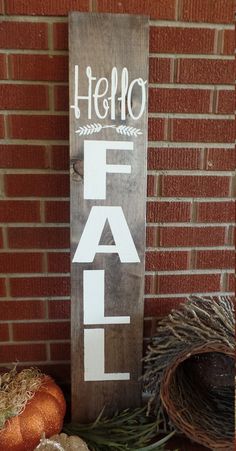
(103, 41)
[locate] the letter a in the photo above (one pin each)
(89, 245)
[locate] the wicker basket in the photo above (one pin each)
(195, 409)
(192, 380)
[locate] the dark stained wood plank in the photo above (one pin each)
(102, 42)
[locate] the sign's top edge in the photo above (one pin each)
(97, 14)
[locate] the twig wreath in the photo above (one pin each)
(189, 371)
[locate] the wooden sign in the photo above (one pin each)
(108, 135)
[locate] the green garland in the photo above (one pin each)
(129, 430)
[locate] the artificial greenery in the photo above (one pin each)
(129, 430)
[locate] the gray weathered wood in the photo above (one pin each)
(103, 41)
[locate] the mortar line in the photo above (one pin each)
(10, 329)
(183, 24)
(152, 22)
(50, 37)
(4, 237)
(191, 86)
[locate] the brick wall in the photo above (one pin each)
(190, 164)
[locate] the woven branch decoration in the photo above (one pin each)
(189, 371)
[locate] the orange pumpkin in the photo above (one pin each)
(43, 413)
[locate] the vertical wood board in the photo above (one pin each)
(103, 42)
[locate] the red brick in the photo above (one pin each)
(4, 335)
(152, 185)
(168, 211)
(179, 100)
(203, 130)
(52, 8)
(40, 286)
(57, 211)
(231, 283)
(181, 40)
(41, 331)
(39, 67)
(184, 283)
(47, 185)
(195, 186)
(156, 129)
(61, 95)
(2, 127)
(58, 262)
(1, 238)
(23, 97)
(204, 71)
(204, 11)
(23, 353)
(20, 310)
(228, 42)
(159, 70)
(219, 259)
(24, 35)
(38, 127)
(2, 287)
(166, 261)
(152, 236)
(20, 262)
(192, 236)
(161, 307)
(23, 156)
(34, 156)
(59, 309)
(19, 211)
(60, 157)
(3, 67)
(38, 237)
(174, 158)
(161, 9)
(220, 160)
(194, 283)
(216, 211)
(150, 284)
(59, 351)
(226, 101)
(1, 7)
(60, 36)
(232, 235)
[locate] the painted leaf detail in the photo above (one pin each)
(89, 129)
(129, 131)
